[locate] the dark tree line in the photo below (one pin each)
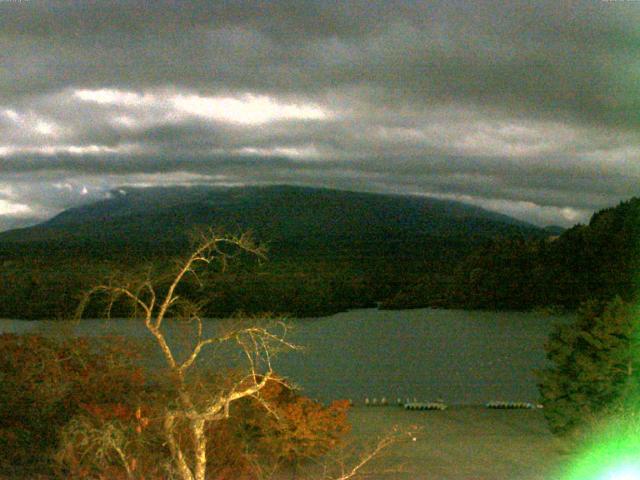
(594, 261)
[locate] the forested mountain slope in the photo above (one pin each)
(328, 250)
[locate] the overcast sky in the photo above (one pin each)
(529, 108)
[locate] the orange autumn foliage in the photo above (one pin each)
(45, 382)
(298, 427)
(56, 395)
(279, 428)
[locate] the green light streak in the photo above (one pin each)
(615, 455)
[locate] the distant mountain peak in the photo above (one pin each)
(279, 213)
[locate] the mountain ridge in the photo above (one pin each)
(276, 213)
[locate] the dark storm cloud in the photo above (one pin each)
(528, 107)
(551, 57)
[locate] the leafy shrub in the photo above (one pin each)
(44, 382)
(297, 428)
(595, 366)
(301, 427)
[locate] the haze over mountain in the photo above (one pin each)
(276, 214)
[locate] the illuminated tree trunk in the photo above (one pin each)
(200, 445)
(176, 452)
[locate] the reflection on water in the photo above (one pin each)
(463, 357)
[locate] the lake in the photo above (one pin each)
(462, 357)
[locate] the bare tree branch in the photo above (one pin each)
(357, 470)
(256, 343)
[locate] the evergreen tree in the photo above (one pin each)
(594, 367)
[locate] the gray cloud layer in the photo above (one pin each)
(530, 108)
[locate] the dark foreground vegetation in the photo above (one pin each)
(81, 408)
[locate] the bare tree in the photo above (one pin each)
(155, 308)
(155, 305)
